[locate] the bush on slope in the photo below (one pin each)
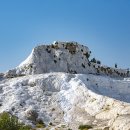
(9, 122)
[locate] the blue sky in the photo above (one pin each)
(102, 25)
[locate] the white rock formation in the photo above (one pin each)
(70, 99)
(45, 86)
(69, 57)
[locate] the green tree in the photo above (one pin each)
(9, 122)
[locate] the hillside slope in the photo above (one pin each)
(69, 99)
(59, 85)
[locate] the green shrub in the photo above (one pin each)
(25, 128)
(98, 62)
(53, 109)
(87, 55)
(50, 123)
(85, 127)
(9, 122)
(55, 61)
(40, 125)
(93, 60)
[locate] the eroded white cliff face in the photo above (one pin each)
(68, 57)
(58, 57)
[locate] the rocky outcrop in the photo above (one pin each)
(68, 57)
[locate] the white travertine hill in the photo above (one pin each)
(68, 99)
(68, 57)
(59, 85)
(58, 57)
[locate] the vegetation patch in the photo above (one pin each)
(53, 109)
(10, 122)
(87, 55)
(40, 125)
(93, 60)
(49, 51)
(98, 62)
(63, 126)
(71, 47)
(55, 61)
(85, 127)
(55, 46)
(50, 123)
